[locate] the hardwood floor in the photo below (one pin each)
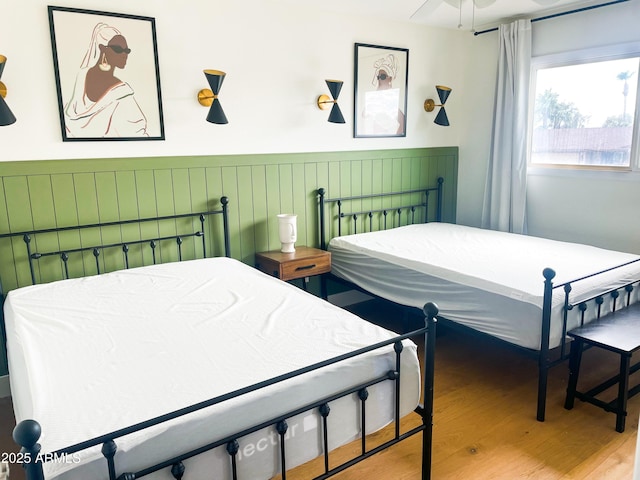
(484, 421)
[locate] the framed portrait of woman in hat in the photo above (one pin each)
(380, 91)
(107, 75)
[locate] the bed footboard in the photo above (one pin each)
(27, 432)
(586, 310)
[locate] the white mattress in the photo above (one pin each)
(490, 281)
(91, 355)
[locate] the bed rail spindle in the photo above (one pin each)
(232, 449)
(201, 234)
(153, 246)
(371, 221)
(109, 449)
(339, 217)
(413, 215)
(363, 394)
(355, 223)
(439, 202)
(628, 289)
(583, 309)
(426, 206)
(26, 238)
(384, 213)
(323, 238)
(96, 254)
(324, 413)
(565, 316)
(281, 428)
(599, 302)
(179, 243)
(65, 261)
(614, 295)
(125, 249)
(399, 212)
(177, 470)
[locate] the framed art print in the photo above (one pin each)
(107, 75)
(380, 91)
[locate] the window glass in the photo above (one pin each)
(584, 114)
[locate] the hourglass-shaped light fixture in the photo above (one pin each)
(323, 101)
(430, 105)
(209, 98)
(6, 117)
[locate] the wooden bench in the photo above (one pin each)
(617, 332)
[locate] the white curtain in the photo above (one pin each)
(504, 205)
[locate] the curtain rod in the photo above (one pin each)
(577, 10)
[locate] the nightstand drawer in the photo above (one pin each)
(306, 267)
(304, 262)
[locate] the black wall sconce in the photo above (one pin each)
(323, 102)
(430, 105)
(209, 98)
(6, 117)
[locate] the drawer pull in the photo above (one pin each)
(306, 267)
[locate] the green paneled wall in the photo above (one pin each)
(56, 193)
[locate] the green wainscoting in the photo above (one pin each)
(56, 193)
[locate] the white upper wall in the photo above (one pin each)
(276, 58)
(598, 209)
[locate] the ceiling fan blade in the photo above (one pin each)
(427, 7)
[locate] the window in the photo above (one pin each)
(584, 110)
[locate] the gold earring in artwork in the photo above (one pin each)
(104, 65)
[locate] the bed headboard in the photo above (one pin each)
(80, 250)
(381, 211)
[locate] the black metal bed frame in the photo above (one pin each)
(547, 357)
(97, 250)
(27, 432)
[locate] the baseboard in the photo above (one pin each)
(5, 389)
(350, 297)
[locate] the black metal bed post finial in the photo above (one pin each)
(543, 359)
(321, 192)
(224, 201)
(109, 449)
(26, 434)
(431, 312)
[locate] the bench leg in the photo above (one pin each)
(575, 358)
(623, 392)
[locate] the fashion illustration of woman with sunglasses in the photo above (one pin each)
(381, 114)
(102, 105)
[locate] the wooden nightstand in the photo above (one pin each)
(305, 262)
